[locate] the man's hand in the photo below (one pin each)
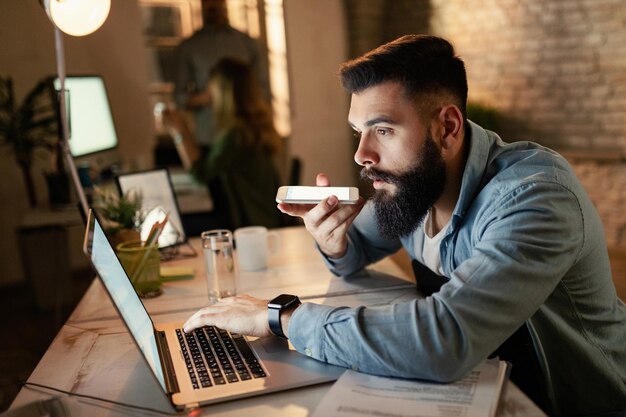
(200, 99)
(242, 314)
(328, 222)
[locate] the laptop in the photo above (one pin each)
(186, 365)
(158, 200)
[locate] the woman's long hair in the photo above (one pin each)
(239, 104)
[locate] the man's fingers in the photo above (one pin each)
(311, 213)
(342, 227)
(295, 210)
(340, 219)
(300, 210)
(322, 180)
(203, 317)
(192, 324)
(321, 211)
(241, 314)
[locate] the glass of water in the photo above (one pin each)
(219, 263)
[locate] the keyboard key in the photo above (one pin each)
(217, 357)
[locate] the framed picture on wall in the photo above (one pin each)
(166, 22)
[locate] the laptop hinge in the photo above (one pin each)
(171, 384)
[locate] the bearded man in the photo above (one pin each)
(507, 229)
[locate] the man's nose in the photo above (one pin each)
(366, 154)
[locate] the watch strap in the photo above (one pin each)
(276, 307)
(273, 315)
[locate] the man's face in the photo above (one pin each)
(399, 156)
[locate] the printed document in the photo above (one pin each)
(356, 395)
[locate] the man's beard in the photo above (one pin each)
(417, 190)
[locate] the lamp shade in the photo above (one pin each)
(77, 17)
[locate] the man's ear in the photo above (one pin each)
(450, 119)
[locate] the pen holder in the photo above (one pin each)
(141, 263)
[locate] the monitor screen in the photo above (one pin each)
(89, 115)
(158, 199)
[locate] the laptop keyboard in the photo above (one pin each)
(215, 357)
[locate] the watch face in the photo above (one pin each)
(282, 300)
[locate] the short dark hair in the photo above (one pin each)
(426, 66)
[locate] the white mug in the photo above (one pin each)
(254, 246)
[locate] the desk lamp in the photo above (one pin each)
(76, 18)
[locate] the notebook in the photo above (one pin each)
(158, 200)
(268, 364)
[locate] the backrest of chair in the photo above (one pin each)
(295, 171)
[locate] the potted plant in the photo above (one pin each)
(484, 115)
(121, 216)
(31, 130)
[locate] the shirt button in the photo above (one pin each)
(308, 352)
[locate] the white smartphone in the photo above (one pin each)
(299, 194)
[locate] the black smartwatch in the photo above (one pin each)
(275, 307)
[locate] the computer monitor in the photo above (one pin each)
(91, 126)
(158, 199)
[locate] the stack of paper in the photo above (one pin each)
(356, 394)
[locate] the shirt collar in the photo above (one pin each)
(480, 144)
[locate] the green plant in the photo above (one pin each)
(486, 116)
(119, 212)
(30, 127)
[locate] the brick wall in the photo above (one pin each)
(554, 69)
(605, 181)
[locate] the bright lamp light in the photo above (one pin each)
(77, 17)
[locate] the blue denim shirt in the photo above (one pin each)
(525, 244)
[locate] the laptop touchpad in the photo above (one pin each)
(275, 344)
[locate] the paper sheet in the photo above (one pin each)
(356, 394)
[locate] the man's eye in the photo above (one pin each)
(357, 135)
(383, 131)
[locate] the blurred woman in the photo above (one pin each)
(239, 165)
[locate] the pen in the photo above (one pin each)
(153, 237)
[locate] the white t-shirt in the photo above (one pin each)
(430, 250)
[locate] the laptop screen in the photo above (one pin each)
(119, 287)
(158, 199)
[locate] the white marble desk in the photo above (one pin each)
(94, 355)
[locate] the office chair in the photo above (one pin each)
(295, 171)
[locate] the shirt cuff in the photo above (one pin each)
(306, 327)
